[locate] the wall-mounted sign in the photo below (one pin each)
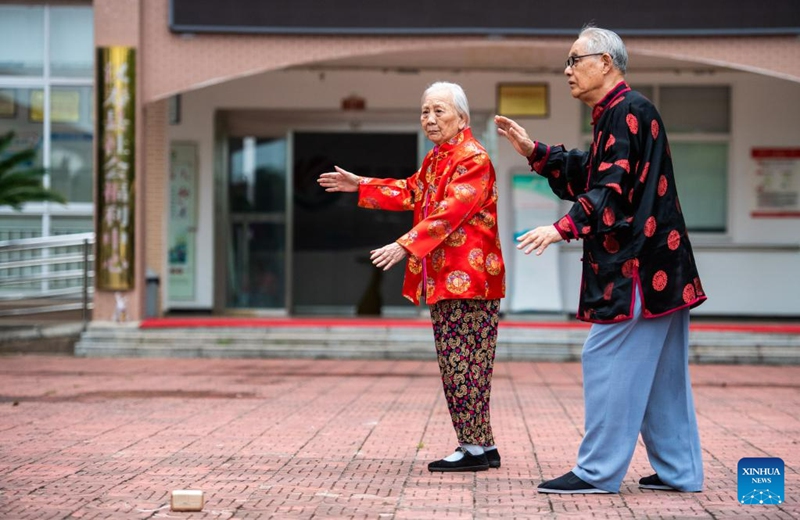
(501, 17)
(116, 108)
(65, 106)
(182, 224)
(522, 100)
(777, 182)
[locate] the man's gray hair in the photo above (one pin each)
(603, 40)
(459, 96)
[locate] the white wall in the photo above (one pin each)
(765, 112)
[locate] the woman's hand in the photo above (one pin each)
(538, 239)
(515, 134)
(340, 180)
(387, 256)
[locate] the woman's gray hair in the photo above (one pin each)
(603, 40)
(459, 96)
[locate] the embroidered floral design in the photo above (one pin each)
(414, 264)
(457, 238)
(458, 282)
(475, 259)
(464, 193)
(493, 265)
(437, 259)
(439, 229)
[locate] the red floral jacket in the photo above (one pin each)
(454, 245)
(626, 211)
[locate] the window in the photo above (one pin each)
(697, 120)
(46, 98)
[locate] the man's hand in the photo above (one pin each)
(340, 180)
(387, 256)
(515, 134)
(538, 239)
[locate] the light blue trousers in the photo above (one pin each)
(636, 380)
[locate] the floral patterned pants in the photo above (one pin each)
(465, 332)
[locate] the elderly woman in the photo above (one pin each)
(454, 262)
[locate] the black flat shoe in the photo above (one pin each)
(493, 456)
(653, 482)
(569, 484)
(468, 462)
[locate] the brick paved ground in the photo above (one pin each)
(110, 438)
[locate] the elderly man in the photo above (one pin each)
(639, 277)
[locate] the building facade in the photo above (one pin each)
(234, 113)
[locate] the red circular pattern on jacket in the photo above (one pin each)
(614, 186)
(688, 293)
(610, 244)
(485, 219)
(662, 186)
(458, 282)
(457, 238)
(650, 227)
(610, 142)
(698, 287)
(674, 240)
(437, 258)
(630, 267)
(555, 174)
(439, 229)
(475, 259)
(493, 265)
(654, 129)
(585, 230)
(464, 193)
(608, 290)
(659, 280)
(595, 267)
(370, 203)
(643, 176)
(438, 207)
(414, 264)
(624, 164)
(608, 217)
(633, 123)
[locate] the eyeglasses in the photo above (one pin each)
(572, 60)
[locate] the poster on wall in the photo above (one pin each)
(116, 106)
(777, 186)
(182, 221)
(536, 279)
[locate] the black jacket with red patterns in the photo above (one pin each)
(626, 212)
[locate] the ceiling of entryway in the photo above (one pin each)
(507, 58)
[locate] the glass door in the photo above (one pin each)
(257, 224)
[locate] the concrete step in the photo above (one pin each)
(528, 343)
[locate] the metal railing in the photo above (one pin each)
(47, 275)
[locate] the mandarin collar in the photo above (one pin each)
(620, 89)
(454, 141)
